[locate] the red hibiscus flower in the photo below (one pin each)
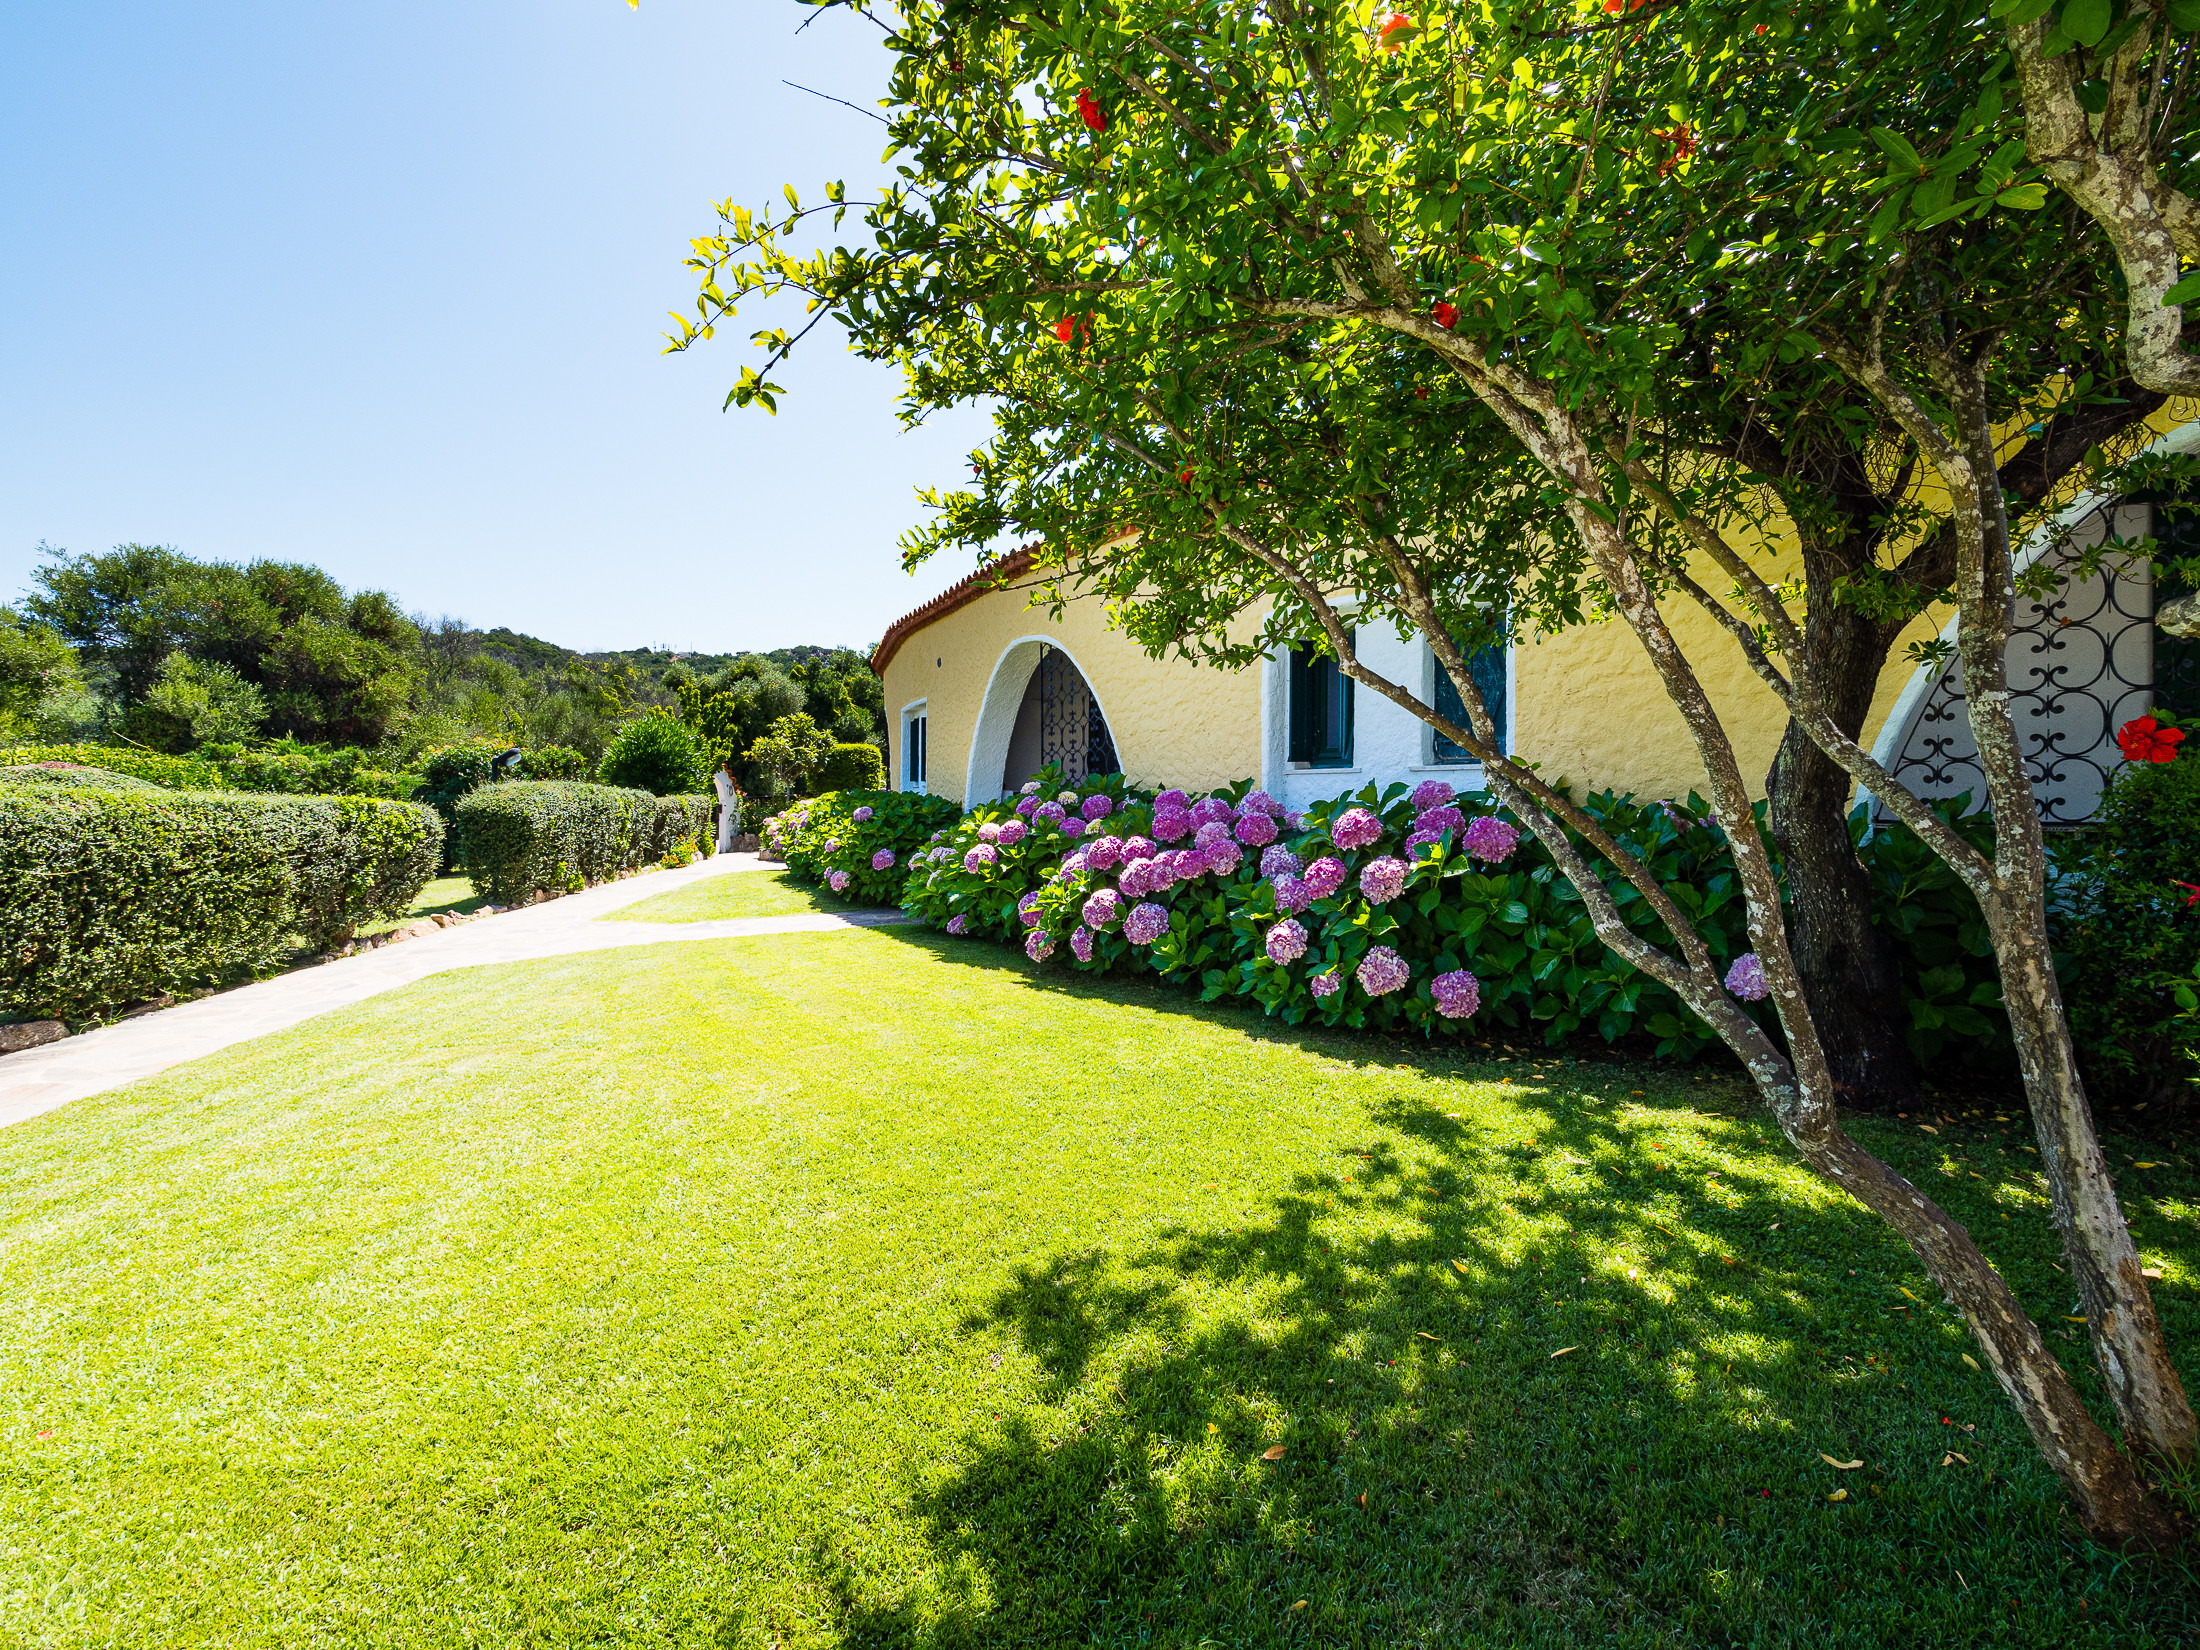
(1447, 315)
(1396, 32)
(1095, 116)
(2146, 740)
(1185, 475)
(2192, 897)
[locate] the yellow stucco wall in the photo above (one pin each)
(1172, 722)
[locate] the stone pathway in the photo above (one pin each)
(40, 1079)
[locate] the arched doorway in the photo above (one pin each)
(1039, 710)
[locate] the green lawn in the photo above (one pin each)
(441, 894)
(736, 894)
(875, 1289)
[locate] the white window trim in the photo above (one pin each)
(902, 782)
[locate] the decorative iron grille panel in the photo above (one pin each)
(1072, 731)
(2080, 666)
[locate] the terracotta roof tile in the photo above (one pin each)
(993, 576)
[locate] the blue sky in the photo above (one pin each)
(381, 287)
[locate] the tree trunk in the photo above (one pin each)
(1847, 965)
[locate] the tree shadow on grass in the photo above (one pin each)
(1568, 1391)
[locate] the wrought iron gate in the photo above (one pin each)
(1072, 731)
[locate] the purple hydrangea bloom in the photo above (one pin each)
(1746, 979)
(883, 860)
(1138, 847)
(1073, 826)
(1383, 880)
(1038, 945)
(1260, 802)
(1012, 831)
(1145, 924)
(832, 845)
(1355, 828)
(1172, 799)
(1293, 820)
(1292, 895)
(1076, 863)
(1278, 861)
(1210, 809)
(1382, 970)
(1325, 985)
(1223, 858)
(1028, 807)
(1169, 824)
(981, 856)
(989, 832)
(1103, 908)
(1440, 819)
(1325, 876)
(1133, 879)
(935, 836)
(958, 925)
(1209, 834)
(839, 882)
(1097, 807)
(1286, 941)
(1050, 811)
(1458, 994)
(1418, 837)
(860, 815)
(1080, 943)
(1431, 793)
(1490, 838)
(1068, 799)
(1105, 854)
(1255, 829)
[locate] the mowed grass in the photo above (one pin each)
(453, 893)
(735, 894)
(870, 1288)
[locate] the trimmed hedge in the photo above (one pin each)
(75, 777)
(116, 896)
(515, 839)
(822, 840)
(852, 768)
(173, 773)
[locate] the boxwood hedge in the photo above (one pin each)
(111, 896)
(517, 838)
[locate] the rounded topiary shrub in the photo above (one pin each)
(657, 753)
(852, 768)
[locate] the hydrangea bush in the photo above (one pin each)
(860, 844)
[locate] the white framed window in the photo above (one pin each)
(914, 731)
(1491, 669)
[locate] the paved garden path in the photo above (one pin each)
(40, 1079)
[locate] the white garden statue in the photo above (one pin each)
(729, 814)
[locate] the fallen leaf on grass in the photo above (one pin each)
(1952, 1456)
(1967, 1358)
(1274, 1452)
(1562, 1351)
(1211, 1427)
(2146, 1165)
(1363, 1498)
(1460, 1264)
(1300, 1605)
(1928, 1128)
(1838, 1495)
(1919, 1300)
(2076, 1317)
(1426, 1336)
(1843, 1466)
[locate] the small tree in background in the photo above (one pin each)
(786, 757)
(657, 753)
(195, 702)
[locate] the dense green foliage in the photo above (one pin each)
(823, 841)
(115, 896)
(73, 776)
(2132, 935)
(175, 773)
(194, 702)
(786, 760)
(516, 839)
(659, 753)
(35, 664)
(867, 1290)
(852, 768)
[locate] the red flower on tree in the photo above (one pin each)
(1185, 475)
(1095, 116)
(1447, 315)
(1396, 32)
(1071, 328)
(2193, 897)
(2146, 740)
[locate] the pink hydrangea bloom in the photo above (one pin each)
(1255, 830)
(1073, 826)
(1356, 828)
(1027, 908)
(832, 845)
(1432, 793)
(1293, 820)
(839, 882)
(1028, 806)
(1105, 853)
(1050, 811)
(1278, 861)
(883, 860)
(1746, 979)
(1458, 994)
(1491, 839)
(1292, 895)
(1418, 837)
(1325, 985)
(860, 815)
(1286, 941)
(1172, 799)
(1103, 908)
(1383, 880)
(958, 925)
(1038, 945)
(1209, 809)
(1097, 807)
(1209, 834)
(1145, 924)
(1325, 876)
(1080, 943)
(1382, 970)
(1134, 880)
(1076, 863)
(1138, 847)
(1440, 819)
(1260, 802)
(1223, 858)
(989, 832)
(1012, 831)
(983, 855)
(1170, 824)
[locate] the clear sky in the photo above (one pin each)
(380, 287)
